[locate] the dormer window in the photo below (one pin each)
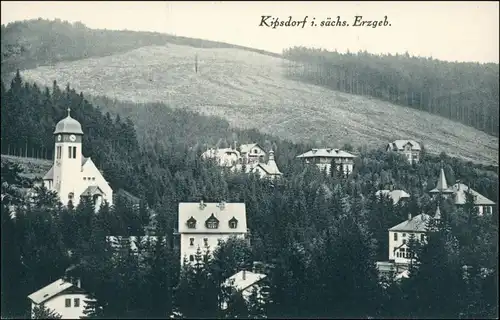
(212, 222)
(191, 223)
(233, 223)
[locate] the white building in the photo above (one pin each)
(458, 193)
(483, 204)
(409, 148)
(264, 170)
(65, 298)
(252, 153)
(400, 234)
(395, 195)
(225, 157)
(203, 225)
(245, 282)
(323, 158)
(73, 176)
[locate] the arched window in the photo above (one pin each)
(191, 223)
(71, 195)
(212, 222)
(233, 223)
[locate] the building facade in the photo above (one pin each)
(323, 158)
(409, 148)
(204, 225)
(252, 153)
(458, 192)
(65, 298)
(73, 176)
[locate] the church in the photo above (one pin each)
(72, 175)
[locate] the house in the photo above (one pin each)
(204, 225)
(458, 193)
(395, 195)
(409, 148)
(252, 153)
(225, 157)
(264, 170)
(400, 234)
(65, 298)
(245, 282)
(323, 158)
(483, 204)
(72, 175)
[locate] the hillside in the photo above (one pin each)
(251, 90)
(32, 167)
(466, 92)
(38, 42)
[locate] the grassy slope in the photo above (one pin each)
(32, 168)
(249, 90)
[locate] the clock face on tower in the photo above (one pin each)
(59, 138)
(72, 137)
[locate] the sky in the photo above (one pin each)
(452, 31)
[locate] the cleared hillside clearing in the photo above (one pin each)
(249, 90)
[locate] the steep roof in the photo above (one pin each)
(50, 291)
(400, 144)
(460, 189)
(244, 279)
(270, 168)
(201, 212)
(442, 185)
(245, 148)
(50, 174)
(415, 224)
(326, 152)
(395, 195)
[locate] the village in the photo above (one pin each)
(203, 225)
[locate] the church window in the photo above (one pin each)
(71, 195)
(191, 223)
(395, 236)
(93, 178)
(212, 222)
(191, 242)
(191, 258)
(205, 241)
(74, 152)
(59, 152)
(84, 178)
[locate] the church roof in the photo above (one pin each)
(68, 125)
(50, 174)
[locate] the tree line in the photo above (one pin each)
(464, 92)
(322, 234)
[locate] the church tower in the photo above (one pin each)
(67, 158)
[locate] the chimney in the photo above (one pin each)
(244, 275)
(409, 216)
